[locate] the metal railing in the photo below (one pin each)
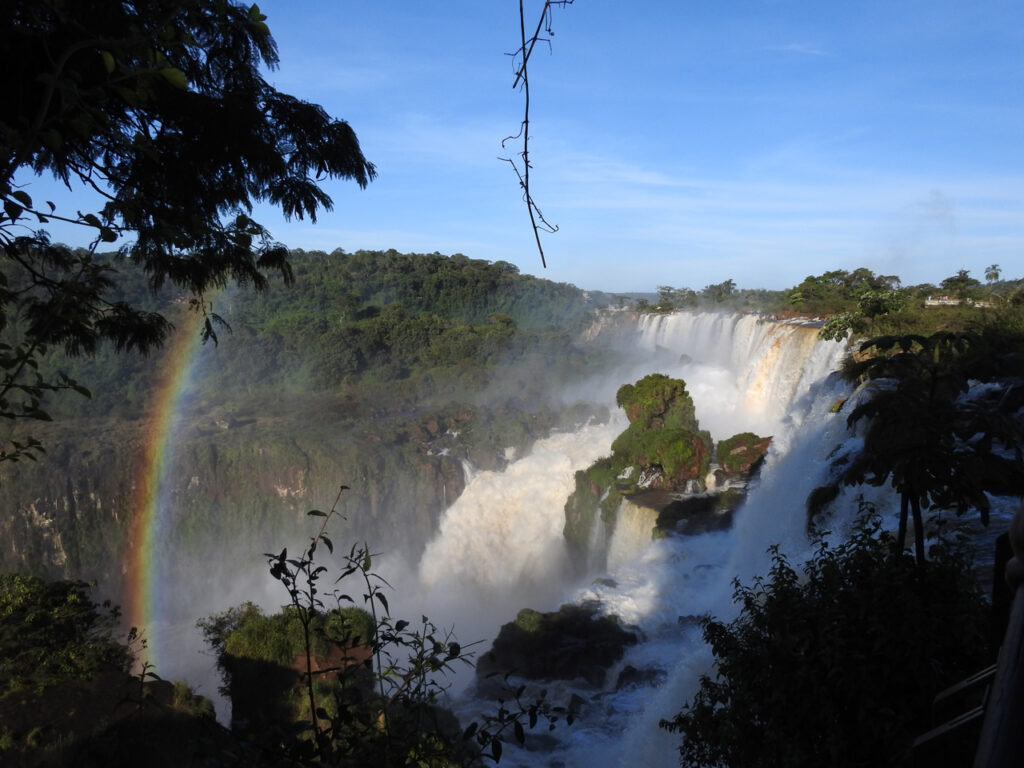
(1001, 744)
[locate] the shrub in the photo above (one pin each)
(52, 631)
(836, 666)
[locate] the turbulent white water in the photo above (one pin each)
(744, 374)
(500, 545)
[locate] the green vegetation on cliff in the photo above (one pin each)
(51, 632)
(348, 323)
(859, 303)
(661, 454)
(663, 444)
(67, 696)
(663, 432)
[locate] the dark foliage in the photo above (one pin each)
(938, 446)
(836, 665)
(52, 631)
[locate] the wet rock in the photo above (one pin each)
(575, 642)
(631, 677)
(740, 456)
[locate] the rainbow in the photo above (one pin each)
(151, 517)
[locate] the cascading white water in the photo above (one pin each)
(741, 370)
(744, 374)
(633, 526)
(500, 546)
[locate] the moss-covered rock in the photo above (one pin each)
(570, 643)
(658, 402)
(740, 456)
(263, 658)
(663, 433)
(681, 455)
(662, 448)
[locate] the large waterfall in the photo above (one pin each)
(500, 542)
(499, 547)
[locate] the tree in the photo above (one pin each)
(52, 631)
(961, 285)
(871, 304)
(936, 446)
(992, 272)
(671, 299)
(160, 107)
(719, 292)
(837, 665)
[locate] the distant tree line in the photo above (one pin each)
(860, 303)
(367, 317)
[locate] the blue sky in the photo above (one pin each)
(676, 143)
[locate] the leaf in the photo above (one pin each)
(328, 543)
(22, 197)
(12, 209)
(108, 61)
(496, 749)
(175, 77)
(383, 601)
(520, 736)
(316, 513)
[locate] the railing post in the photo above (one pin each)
(1001, 744)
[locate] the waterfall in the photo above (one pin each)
(744, 374)
(633, 526)
(742, 371)
(500, 546)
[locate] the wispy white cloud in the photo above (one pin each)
(769, 230)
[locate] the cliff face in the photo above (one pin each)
(239, 485)
(232, 491)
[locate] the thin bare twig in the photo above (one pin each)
(527, 44)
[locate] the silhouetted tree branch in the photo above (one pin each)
(527, 44)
